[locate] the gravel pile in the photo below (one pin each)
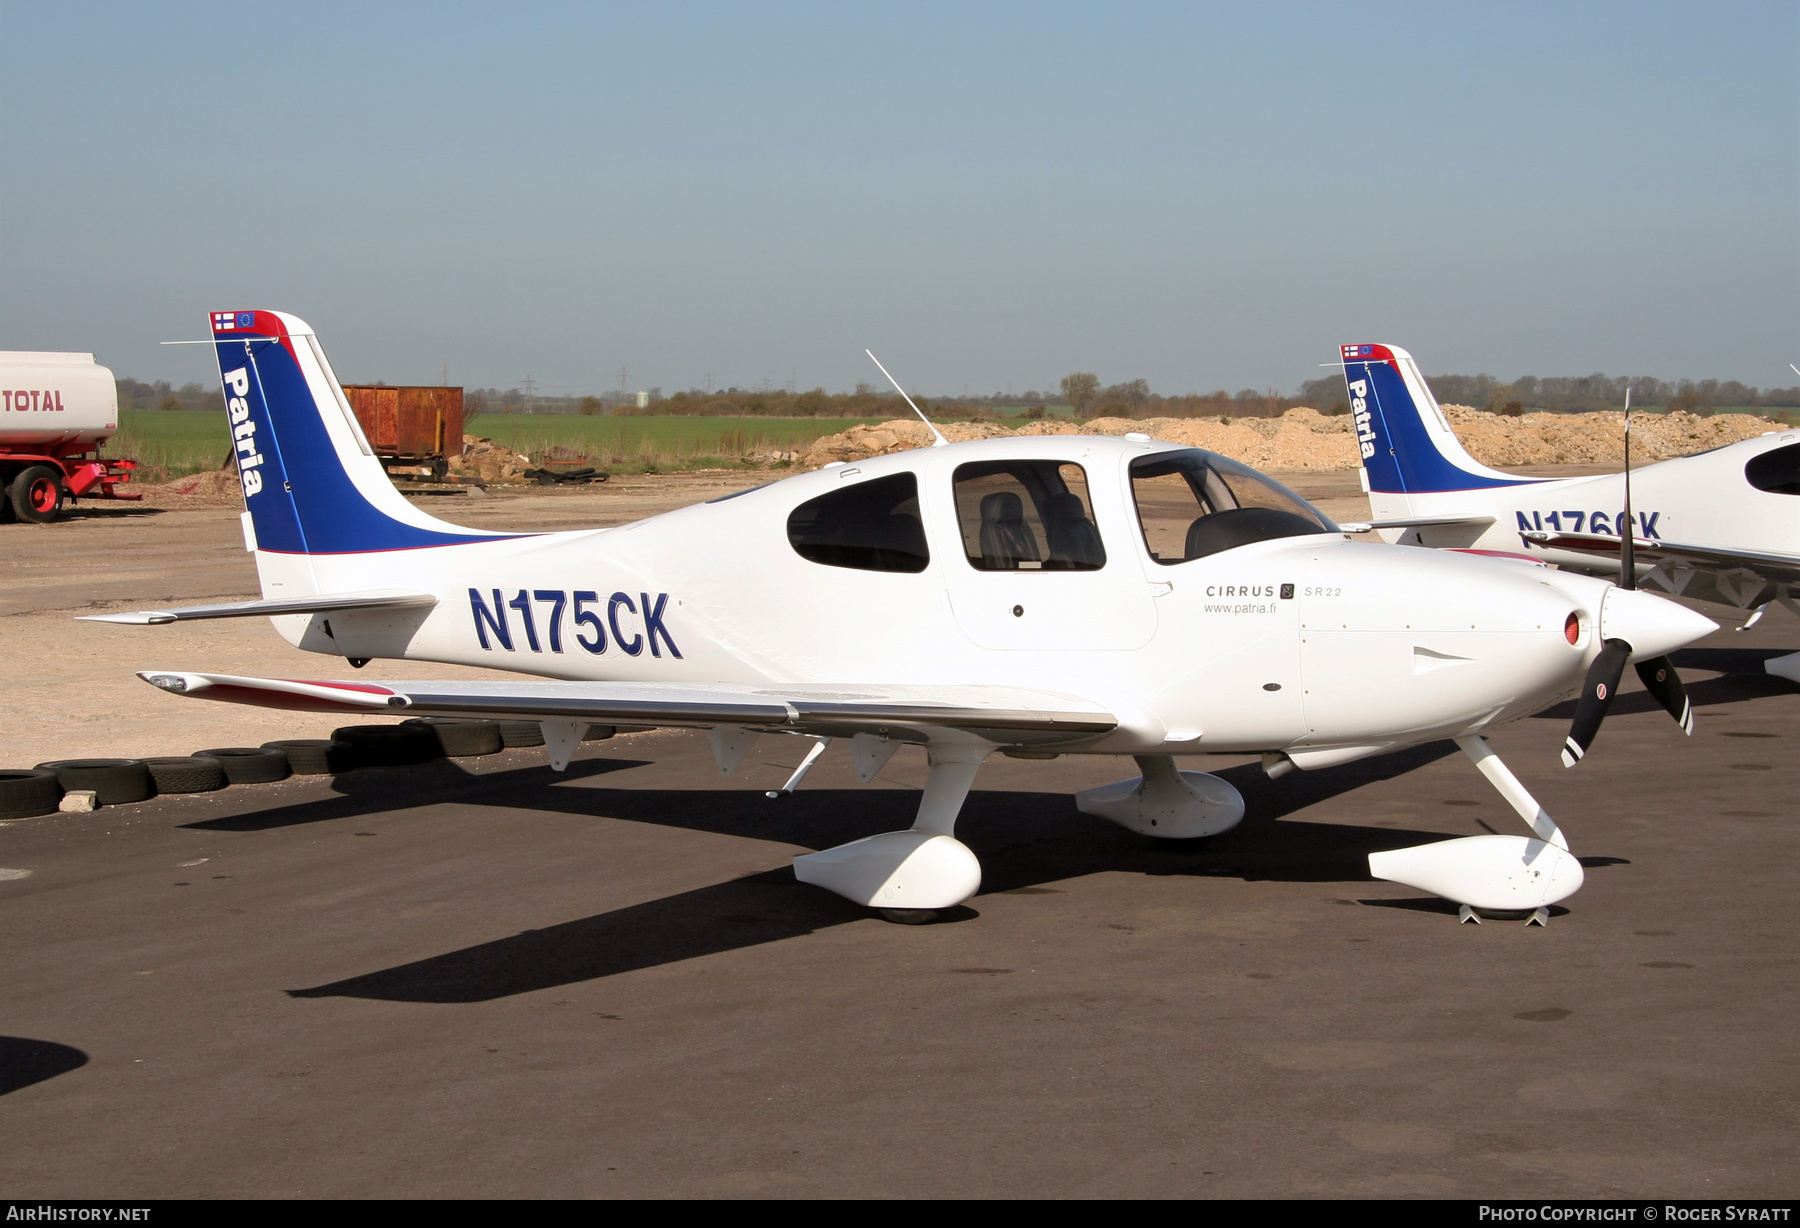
(1304, 439)
(493, 463)
(214, 488)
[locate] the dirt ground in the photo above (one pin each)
(74, 693)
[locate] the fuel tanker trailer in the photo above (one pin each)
(56, 413)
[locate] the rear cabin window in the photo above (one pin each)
(871, 526)
(1193, 503)
(1027, 515)
(1777, 472)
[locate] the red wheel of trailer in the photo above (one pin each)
(37, 494)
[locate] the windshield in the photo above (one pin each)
(1192, 503)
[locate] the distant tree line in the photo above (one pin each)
(865, 402)
(1570, 394)
(1081, 391)
(135, 394)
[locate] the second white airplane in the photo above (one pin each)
(1721, 525)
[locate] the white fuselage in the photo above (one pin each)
(1296, 643)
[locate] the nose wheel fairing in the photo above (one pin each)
(1493, 873)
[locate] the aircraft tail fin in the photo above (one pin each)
(1406, 443)
(311, 482)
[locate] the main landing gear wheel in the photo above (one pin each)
(909, 876)
(36, 495)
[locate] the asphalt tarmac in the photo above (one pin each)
(487, 979)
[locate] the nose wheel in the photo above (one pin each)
(1495, 876)
(1468, 913)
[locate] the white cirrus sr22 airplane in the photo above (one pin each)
(1721, 525)
(1061, 594)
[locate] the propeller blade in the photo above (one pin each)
(1661, 680)
(1597, 693)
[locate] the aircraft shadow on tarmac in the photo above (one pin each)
(380, 790)
(24, 1061)
(1024, 840)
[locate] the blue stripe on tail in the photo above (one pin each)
(1399, 453)
(301, 497)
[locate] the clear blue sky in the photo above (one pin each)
(1201, 196)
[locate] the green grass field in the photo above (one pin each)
(171, 443)
(174, 443)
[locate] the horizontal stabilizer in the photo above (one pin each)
(1004, 714)
(1776, 568)
(325, 603)
(1417, 522)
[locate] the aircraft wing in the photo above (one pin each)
(1007, 715)
(328, 603)
(1775, 568)
(1417, 522)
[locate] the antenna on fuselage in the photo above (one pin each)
(941, 441)
(1628, 539)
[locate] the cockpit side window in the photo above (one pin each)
(871, 526)
(1193, 503)
(1027, 515)
(1776, 471)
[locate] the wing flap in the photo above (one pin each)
(324, 603)
(1011, 714)
(1416, 522)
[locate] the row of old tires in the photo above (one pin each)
(27, 793)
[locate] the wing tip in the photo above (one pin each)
(129, 618)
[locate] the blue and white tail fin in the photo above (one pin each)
(311, 482)
(1406, 443)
